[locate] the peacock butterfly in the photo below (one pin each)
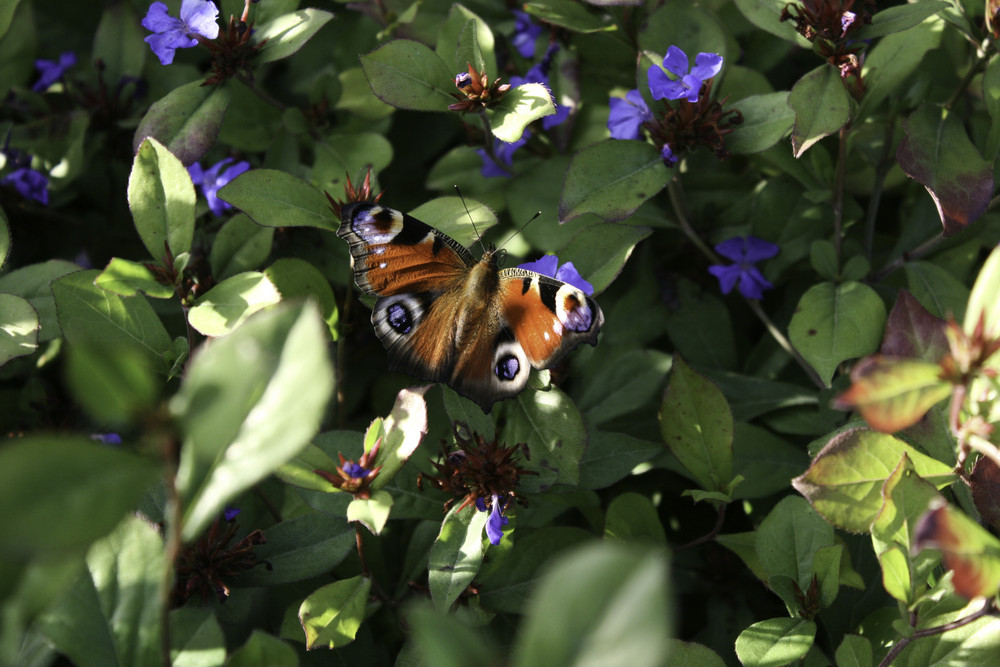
(445, 317)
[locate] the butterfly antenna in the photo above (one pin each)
(519, 229)
(479, 237)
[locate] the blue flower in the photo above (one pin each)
(549, 266)
(198, 17)
(107, 438)
(525, 34)
(503, 154)
(50, 71)
(668, 155)
(29, 183)
(211, 180)
(745, 251)
(627, 115)
(231, 512)
(496, 522)
(687, 85)
(355, 470)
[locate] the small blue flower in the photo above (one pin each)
(503, 154)
(687, 85)
(29, 183)
(354, 470)
(198, 17)
(745, 252)
(496, 522)
(231, 512)
(627, 115)
(211, 180)
(668, 155)
(526, 34)
(549, 266)
(51, 71)
(107, 438)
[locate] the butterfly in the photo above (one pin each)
(445, 317)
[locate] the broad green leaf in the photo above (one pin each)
(196, 639)
(241, 245)
(118, 43)
(600, 604)
(692, 27)
(520, 106)
(38, 474)
(19, 327)
(88, 314)
(296, 278)
(703, 346)
(161, 197)
(612, 179)
(912, 331)
(449, 215)
(984, 300)
(465, 39)
(635, 379)
(570, 15)
(286, 34)
(937, 153)
(250, 402)
(371, 512)
(611, 457)
(114, 384)
(834, 323)
(766, 15)
(822, 106)
(631, 517)
(263, 650)
(789, 538)
(274, 198)
(854, 651)
(974, 644)
(897, 19)
(767, 119)
(222, 309)
(697, 426)
(445, 640)
(456, 556)
(553, 429)
(301, 548)
(844, 482)
(892, 394)
(891, 60)
(970, 551)
(343, 152)
(991, 96)
(775, 642)
(599, 252)
(127, 278)
(186, 121)
(409, 75)
(32, 282)
(766, 462)
(941, 292)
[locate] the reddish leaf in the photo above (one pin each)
(971, 553)
(911, 331)
(937, 153)
(985, 482)
(892, 394)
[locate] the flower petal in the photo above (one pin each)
(758, 249)
(734, 248)
(676, 61)
(547, 265)
(568, 274)
(706, 65)
(201, 17)
(727, 275)
(752, 283)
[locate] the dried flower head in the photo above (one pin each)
(477, 92)
(354, 478)
(688, 125)
(352, 194)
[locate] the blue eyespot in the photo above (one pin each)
(507, 368)
(399, 318)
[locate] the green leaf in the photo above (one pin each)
(553, 429)
(612, 179)
(88, 314)
(976, 643)
(196, 639)
(296, 278)
(631, 517)
(692, 654)
(600, 604)
(599, 252)
(991, 96)
(767, 119)
(32, 282)
(970, 551)
(372, 512)
(263, 650)
(405, 428)
(331, 615)
(889, 63)
(243, 410)
(338, 153)
(449, 215)
(775, 642)
(897, 19)
(892, 394)
(466, 38)
(112, 615)
(896, 576)
(286, 34)
(611, 457)
(241, 245)
(766, 462)
(19, 327)
(118, 43)
(845, 481)
(276, 199)
(186, 121)
(570, 15)
(635, 379)
(855, 651)
(766, 15)
(697, 426)
(128, 278)
(984, 300)
(940, 290)
(408, 75)
(300, 548)
(822, 106)
(161, 198)
(834, 323)
(445, 640)
(228, 304)
(40, 474)
(114, 384)
(456, 556)
(520, 106)
(788, 540)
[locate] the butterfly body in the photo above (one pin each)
(444, 316)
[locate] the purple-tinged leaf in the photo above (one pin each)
(911, 331)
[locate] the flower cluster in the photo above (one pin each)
(829, 25)
(696, 119)
(745, 252)
(29, 183)
(567, 273)
(212, 179)
(354, 478)
(482, 473)
(203, 568)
